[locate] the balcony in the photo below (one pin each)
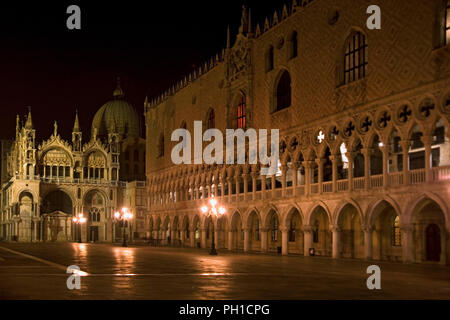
(374, 182)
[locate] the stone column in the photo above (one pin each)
(230, 189)
(366, 153)
(263, 187)
(336, 241)
(192, 238)
(294, 178)
(385, 151)
(308, 239)
(238, 191)
(263, 232)
(407, 244)
(350, 156)
(427, 141)
(203, 238)
(368, 243)
(245, 178)
(284, 241)
(405, 144)
(320, 163)
(182, 236)
(284, 169)
(334, 159)
(230, 240)
(307, 165)
(246, 240)
(273, 191)
(254, 185)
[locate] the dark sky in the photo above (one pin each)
(150, 44)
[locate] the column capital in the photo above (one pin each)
(427, 140)
(320, 161)
(368, 229)
(335, 228)
(307, 228)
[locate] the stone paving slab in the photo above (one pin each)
(142, 272)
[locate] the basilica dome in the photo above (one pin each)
(117, 115)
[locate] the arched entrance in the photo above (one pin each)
(254, 226)
(56, 217)
(352, 237)
(221, 233)
(429, 232)
(274, 236)
(386, 237)
(295, 232)
(321, 234)
(236, 236)
(94, 205)
(26, 211)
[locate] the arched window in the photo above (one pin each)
(283, 93)
(269, 59)
(241, 110)
(396, 235)
(294, 45)
(136, 155)
(161, 146)
(127, 154)
(211, 119)
(355, 58)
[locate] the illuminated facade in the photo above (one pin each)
(364, 136)
(44, 186)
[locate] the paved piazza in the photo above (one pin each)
(37, 271)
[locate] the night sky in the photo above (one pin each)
(149, 44)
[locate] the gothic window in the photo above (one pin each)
(283, 93)
(241, 111)
(294, 45)
(269, 59)
(161, 146)
(136, 155)
(355, 58)
(127, 155)
(396, 236)
(211, 119)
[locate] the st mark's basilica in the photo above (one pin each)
(45, 184)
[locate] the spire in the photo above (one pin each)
(228, 38)
(243, 29)
(29, 122)
(76, 125)
(118, 93)
(17, 125)
(55, 129)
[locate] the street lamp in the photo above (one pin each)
(213, 211)
(79, 219)
(124, 216)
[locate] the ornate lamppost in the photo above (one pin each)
(79, 219)
(123, 216)
(212, 211)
